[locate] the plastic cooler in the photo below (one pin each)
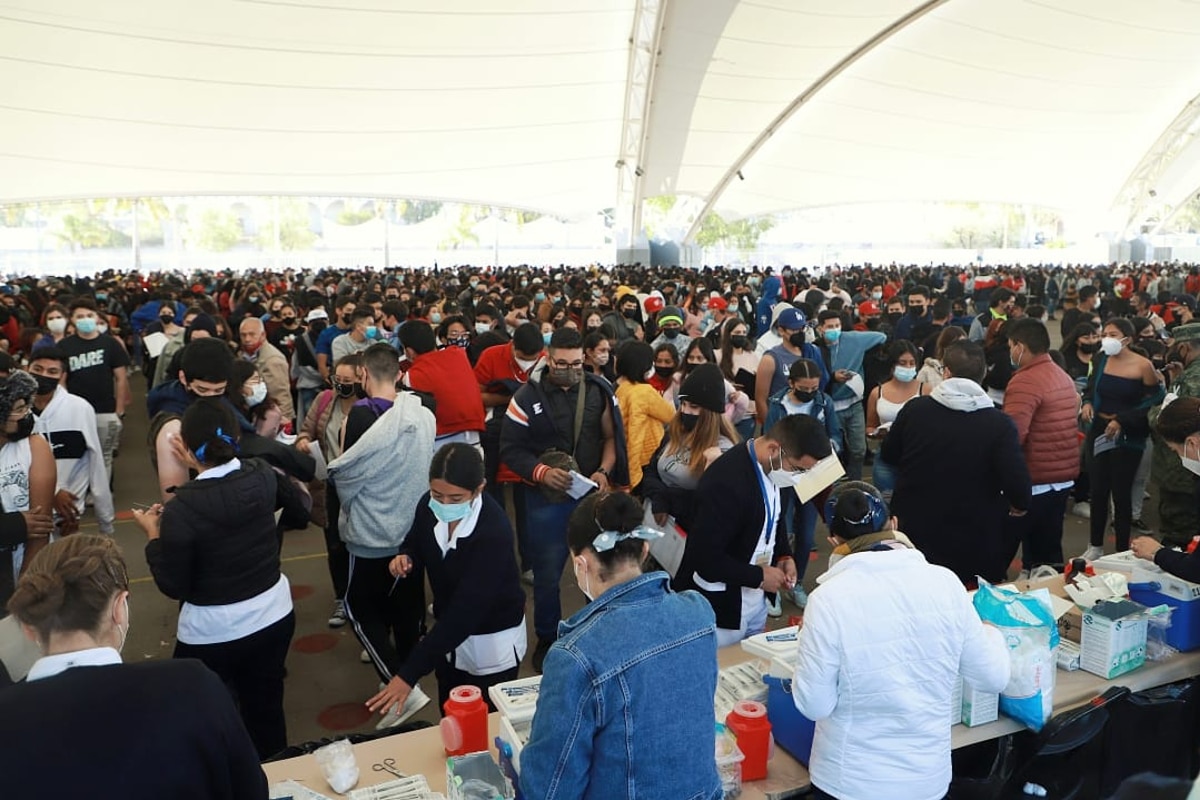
(792, 730)
(1154, 587)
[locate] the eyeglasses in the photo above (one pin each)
(567, 364)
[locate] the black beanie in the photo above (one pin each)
(19, 385)
(705, 386)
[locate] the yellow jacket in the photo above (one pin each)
(644, 412)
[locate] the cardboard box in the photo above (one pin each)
(978, 708)
(1113, 640)
(956, 703)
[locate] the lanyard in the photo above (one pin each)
(767, 497)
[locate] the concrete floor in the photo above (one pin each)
(326, 684)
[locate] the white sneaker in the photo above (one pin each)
(799, 597)
(775, 608)
(1082, 509)
(1092, 553)
(364, 657)
(397, 714)
(337, 617)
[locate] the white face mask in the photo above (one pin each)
(526, 365)
(585, 585)
(1111, 345)
(482, 327)
(102, 328)
(257, 394)
(782, 478)
(56, 325)
(1192, 465)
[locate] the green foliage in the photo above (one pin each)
(294, 230)
(81, 230)
(742, 234)
(413, 211)
(348, 216)
(218, 230)
(462, 233)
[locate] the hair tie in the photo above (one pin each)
(224, 437)
(607, 540)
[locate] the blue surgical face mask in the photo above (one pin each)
(905, 374)
(372, 331)
(86, 326)
(546, 338)
(540, 296)
(449, 512)
(833, 335)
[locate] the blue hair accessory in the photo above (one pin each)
(607, 540)
(223, 436)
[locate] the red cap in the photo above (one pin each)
(868, 308)
(718, 302)
(654, 304)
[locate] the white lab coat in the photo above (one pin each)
(886, 636)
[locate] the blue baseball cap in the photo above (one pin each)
(791, 319)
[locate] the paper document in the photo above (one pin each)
(856, 385)
(580, 485)
(314, 450)
(1103, 444)
(155, 342)
(811, 483)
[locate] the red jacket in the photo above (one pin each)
(447, 375)
(1043, 403)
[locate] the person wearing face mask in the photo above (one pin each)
(1042, 403)
(462, 542)
(390, 433)
(739, 365)
(248, 395)
(884, 404)
(271, 365)
(696, 437)
(959, 471)
(250, 305)
(73, 601)
(1121, 390)
(737, 551)
(453, 332)
(666, 364)
(626, 316)
(670, 330)
(283, 334)
(214, 549)
(304, 360)
(773, 367)
(54, 321)
(68, 423)
(562, 420)
(27, 481)
(99, 374)
(842, 355)
(1178, 514)
(1178, 427)
(643, 410)
(362, 334)
(597, 355)
(446, 375)
(321, 429)
(639, 653)
(343, 321)
(916, 325)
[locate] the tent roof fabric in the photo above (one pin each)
(520, 102)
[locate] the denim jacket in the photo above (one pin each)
(626, 702)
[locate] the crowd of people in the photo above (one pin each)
(463, 430)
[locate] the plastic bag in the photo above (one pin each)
(1031, 636)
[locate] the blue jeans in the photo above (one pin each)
(883, 475)
(304, 401)
(854, 433)
(545, 526)
(745, 428)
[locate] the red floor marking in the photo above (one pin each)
(315, 643)
(300, 592)
(344, 717)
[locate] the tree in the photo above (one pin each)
(295, 232)
(463, 231)
(742, 234)
(82, 229)
(410, 212)
(218, 230)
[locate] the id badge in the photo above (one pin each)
(762, 559)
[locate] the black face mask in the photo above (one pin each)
(24, 428)
(346, 390)
(664, 372)
(917, 311)
(630, 313)
(360, 391)
(347, 320)
(1092, 347)
(167, 319)
(797, 339)
(316, 326)
(803, 396)
(289, 322)
(45, 384)
(894, 317)
(740, 342)
(688, 421)
(670, 333)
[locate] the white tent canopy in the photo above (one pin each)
(754, 106)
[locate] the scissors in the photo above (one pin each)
(388, 765)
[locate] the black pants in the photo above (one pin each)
(1041, 529)
(335, 549)
(448, 678)
(252, 668)
(388, 614)
(1112, 473)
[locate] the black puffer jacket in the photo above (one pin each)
(218, 543)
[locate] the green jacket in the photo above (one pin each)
(1166, 469)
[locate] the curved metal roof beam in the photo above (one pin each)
(1139, 193)
(801, 99)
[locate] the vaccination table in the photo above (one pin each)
(421, 751)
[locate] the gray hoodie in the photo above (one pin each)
(381, 478)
